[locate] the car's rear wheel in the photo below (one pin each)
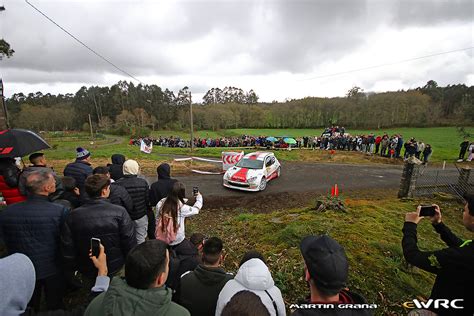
(263, 184)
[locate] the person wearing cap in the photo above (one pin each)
(80, 169)
(38, 162)
(138, 190)
(326, 270)
(453, 266)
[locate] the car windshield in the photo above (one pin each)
(250, 164)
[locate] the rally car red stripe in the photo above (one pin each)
(241, 175)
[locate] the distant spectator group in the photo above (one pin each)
(333, 138)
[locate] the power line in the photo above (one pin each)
(387, 64)
(83, 44)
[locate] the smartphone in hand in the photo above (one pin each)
(427, 211)
(195, 191)
(95, 247)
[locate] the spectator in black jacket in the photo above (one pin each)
(326, 270)
(138, 190)
(33, 228)
(453, 266)
(462, 149)
(71, 195)
(161, 188)
(199, 289)
(116, 168)
(118, 194)
(97, 218)
(80, 169)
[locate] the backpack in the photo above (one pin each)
(168, 234)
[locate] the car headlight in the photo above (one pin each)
(252, 179)
(226, 176)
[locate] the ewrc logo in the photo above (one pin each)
(438, 303)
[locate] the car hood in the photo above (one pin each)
(242, 174)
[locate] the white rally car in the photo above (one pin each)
(253, 172)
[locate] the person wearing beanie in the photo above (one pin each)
(80, 169)
(138, 190)
(326, 270)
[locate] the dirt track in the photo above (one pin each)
(298, 182)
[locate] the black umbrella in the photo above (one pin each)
(20, 142)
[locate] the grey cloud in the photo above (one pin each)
(292, 36)
(429, 12)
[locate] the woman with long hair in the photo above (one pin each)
(171, 214)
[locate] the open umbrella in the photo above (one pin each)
(20, 142)
(271, 139)
(289, 140)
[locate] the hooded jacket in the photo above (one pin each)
(115, 169)
(200, 289)
(161, 188)
(124, 300)
(253, 276)
(17, 283)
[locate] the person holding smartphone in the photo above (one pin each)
(453, 266)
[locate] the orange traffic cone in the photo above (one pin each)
(332, 191)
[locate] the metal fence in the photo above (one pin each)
(451, 180)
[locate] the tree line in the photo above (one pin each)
(124, 107)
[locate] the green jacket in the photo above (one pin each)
(121, 299)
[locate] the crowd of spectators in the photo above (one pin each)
(147, 266)
(333, 138)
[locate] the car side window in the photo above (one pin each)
(269, 162)
(273, 160)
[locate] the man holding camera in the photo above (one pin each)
(453, 266)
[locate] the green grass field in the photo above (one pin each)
(444, 140)
(370, 232)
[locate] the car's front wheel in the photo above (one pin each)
(278, 172)
(263, 184)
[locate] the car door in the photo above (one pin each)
(269, 164)
(268, 167)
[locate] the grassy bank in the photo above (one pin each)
(370, 232)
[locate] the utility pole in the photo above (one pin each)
(90, 125)
(191, 114)
(3, 112)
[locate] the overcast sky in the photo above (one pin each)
(281, 49)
